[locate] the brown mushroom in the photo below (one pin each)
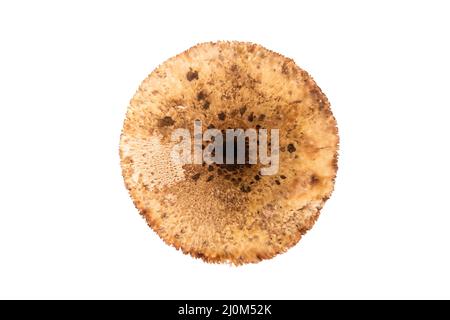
(230, 212)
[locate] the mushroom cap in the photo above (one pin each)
(229, 213)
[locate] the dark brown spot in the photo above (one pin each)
(201, 95)
(257, 177)
(200, 255)
(321, 104)
(210, 168)
(261, 117)
(211, 126)
(291, 148)
(251, 117)
(191, 75)
(196, 176)
(166, 122)
(277, 182)
(245, 188)
(283, 177)
(314, 179)
(221, 116)
(242, 110)
(258, 127)
(334, 161)
(210, 178)
(206, 105)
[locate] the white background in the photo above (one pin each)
(68, 228)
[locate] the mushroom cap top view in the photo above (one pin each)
(230, 212)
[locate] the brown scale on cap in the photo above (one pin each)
(230, 213)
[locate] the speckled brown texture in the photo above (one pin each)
(224, 213)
